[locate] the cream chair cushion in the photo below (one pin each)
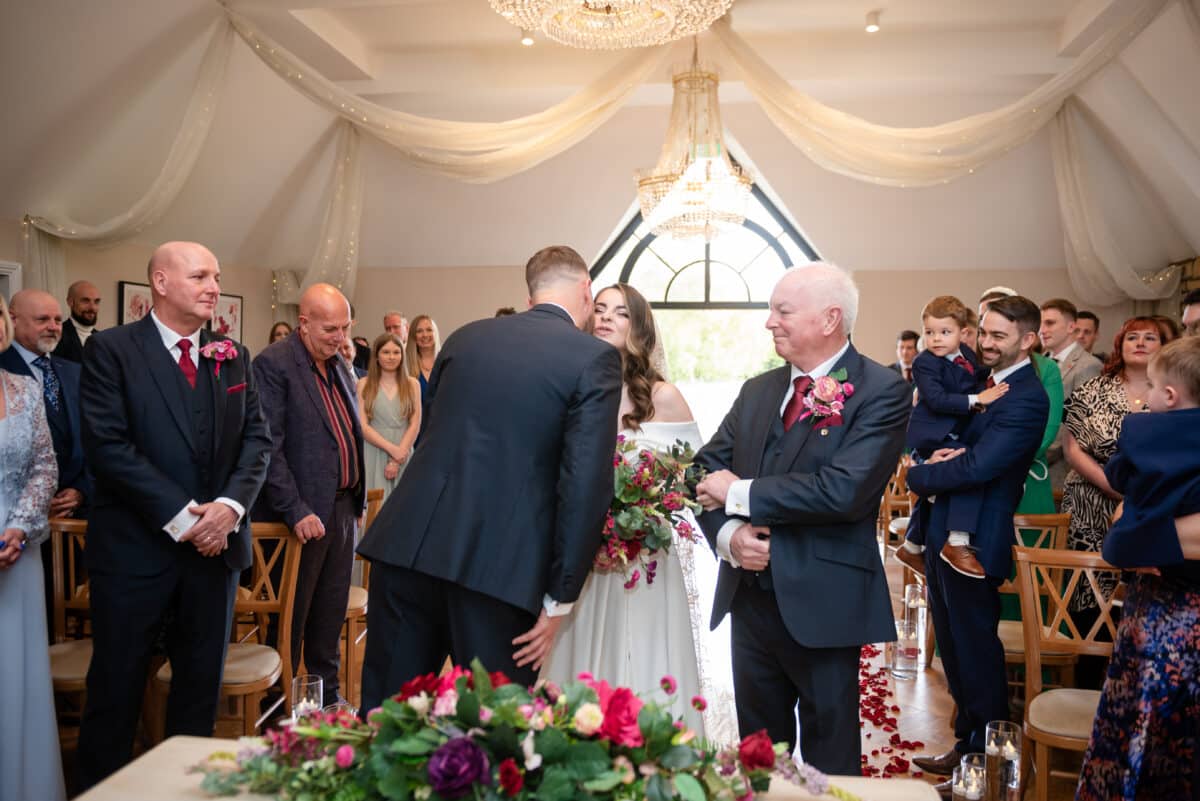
(1065, 712)
(357, 600)
(69, 660)
(245, 663)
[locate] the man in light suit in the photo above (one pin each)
(486, 541)
(83, 299)
(178, 447)
(317, 481)
(1058, 335)
(791, 502)
(998, 447)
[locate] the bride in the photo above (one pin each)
(632, 638)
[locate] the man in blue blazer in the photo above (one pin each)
(997, 448)
(791, 499)
(178, 447)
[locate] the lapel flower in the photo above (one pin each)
(826, 398)
(219, 350)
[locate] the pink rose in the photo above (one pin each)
(826, 388)
(621, 719)
(847, 389)
(345, 756)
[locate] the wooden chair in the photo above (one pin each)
(71, 652)
(354, 629)
(1047, 579)
(1036, 531)
(896, 502)
(251, 667)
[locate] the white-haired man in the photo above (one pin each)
(795, 474)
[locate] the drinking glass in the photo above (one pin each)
(1002, 746)
(916, 610)
(906, 653)
(308, 693)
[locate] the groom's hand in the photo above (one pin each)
(751, 547)
(714, 489)
(537, 641)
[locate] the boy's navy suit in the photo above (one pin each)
(943, 408)
(1157, 468)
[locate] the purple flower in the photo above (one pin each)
(457, 766)
(815, 782)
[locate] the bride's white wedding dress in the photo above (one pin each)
(632, 638)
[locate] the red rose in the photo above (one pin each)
(447, 682)
(511, 780)
(417, 685)
(621, 718)
(499, 679)
(756, 751)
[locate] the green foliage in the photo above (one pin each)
(716, 344)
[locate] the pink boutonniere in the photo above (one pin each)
(219, 350)
(826, 398)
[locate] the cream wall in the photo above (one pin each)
(10, 240)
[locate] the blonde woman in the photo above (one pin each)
(424, 343)
(29, 748)
(389, 408)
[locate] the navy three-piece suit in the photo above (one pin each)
(1000, 445)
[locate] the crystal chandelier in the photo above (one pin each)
(695, 190)
(612, 24)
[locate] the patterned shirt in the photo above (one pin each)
(338, 409)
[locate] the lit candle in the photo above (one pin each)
(1010, 751)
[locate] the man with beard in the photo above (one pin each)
(84, 301)
(998, 448)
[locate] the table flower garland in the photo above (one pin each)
(650, 490)
(474, 735)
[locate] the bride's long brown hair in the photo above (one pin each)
(638, 373)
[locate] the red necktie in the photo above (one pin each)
(962, 362)
(908, 374)
(185, 362)
(795, 404)
(991, 382)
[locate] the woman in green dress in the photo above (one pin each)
(389, 408)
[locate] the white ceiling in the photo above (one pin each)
(93, 93)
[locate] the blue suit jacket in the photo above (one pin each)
(1157, 468)
(821, 504)
(1000, 445)
(68, 452)
(942, 404)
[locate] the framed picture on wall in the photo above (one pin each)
(134, 301)
(227, 318)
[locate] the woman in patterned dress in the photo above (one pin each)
(1093, 417)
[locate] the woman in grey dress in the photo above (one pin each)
(389, 407)
(30, 764)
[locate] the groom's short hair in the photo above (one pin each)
(551, 265)
(1020, 310)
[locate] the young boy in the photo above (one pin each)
(949, 385)
(1157, 466)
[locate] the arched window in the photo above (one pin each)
(734, 271)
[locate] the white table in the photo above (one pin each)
(161, 775)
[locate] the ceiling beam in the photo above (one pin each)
(1087, 21)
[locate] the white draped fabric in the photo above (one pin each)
(476, 152)
(1127, 151)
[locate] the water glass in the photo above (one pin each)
(906, 655)
(308, 694)
(916, 610)
(1002, 745)
(974, 772)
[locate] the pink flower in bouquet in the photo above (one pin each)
(447, 682)
(446, 704)
(847, 389)
(698, 703)
(669, 684)
(673, 501)
(344, 756)
(485, 714)
(825, 388)
(621, 718)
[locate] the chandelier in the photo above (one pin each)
(612, 24)
(695, 190)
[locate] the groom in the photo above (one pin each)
(791, 504)
(486, 541)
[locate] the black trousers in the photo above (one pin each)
(775, 677)
(322, 590)
(194, 600)
(415, 621)
(966, 614)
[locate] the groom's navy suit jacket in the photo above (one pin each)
(1000, 445)
(821, 502)
(506, 494)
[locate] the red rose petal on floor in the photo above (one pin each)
(916, 774)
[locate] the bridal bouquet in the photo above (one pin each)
(650, 489)
(474, 735)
